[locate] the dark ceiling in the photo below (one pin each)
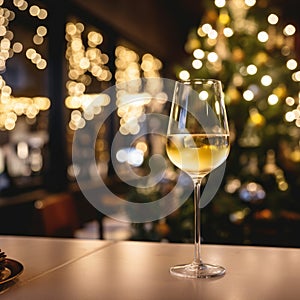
(156, 26)
(160, 26)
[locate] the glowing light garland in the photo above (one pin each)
(13, 107)
(84, 64)
(130, 69)
(229, 21)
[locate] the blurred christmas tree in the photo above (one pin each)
(251, 49)
(247, 45)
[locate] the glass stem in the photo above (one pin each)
(197, 233)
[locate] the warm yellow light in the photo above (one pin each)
(273, 19)
(250, 2)
(289, 116)
(184, 75)
(6, 91)
(228, 32)
(142, 146)
(12, 116)
(206, 28)
(224, 18)
(291, 64)
(9, 124)
(131, 100)
(198, 53)
(31, 111)
(42, 14)
(38, 40)
(256, 118)
(23, 5)
(290, 101)
(101, 100)
(273, 99)
(262, 36)
(2, 30)
(96, 70)
(203, 95)
(41, 30)
(5, 44)
(266, 80)
(17, 3)
(9, 35)
(283, 186)
(71, 28)
(84, 63)
(251, 69)
(81, 123)
(289, 30)
(248, 95)
(34, 10)
(280, 91)
(87, 101)
(201, 33)
(212, 57)
(76, 44)
(17, 47)
(104, 58)
(80, 27)
(37, 58)
(43, 103)
(30, 53)
(213, 34)
(147, 65)
(42, 64)
(95, 37)
(220, 3)
(19, 108)
(73, 102)
(92, 53)
(135, 128)
(296, 76)
(79, 88)
(197, 64)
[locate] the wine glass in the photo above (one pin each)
(197, 143)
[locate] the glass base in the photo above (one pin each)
(195, 270)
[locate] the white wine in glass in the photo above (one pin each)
(198, 142)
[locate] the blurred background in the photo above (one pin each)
(57, 58)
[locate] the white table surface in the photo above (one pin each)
(95, 269)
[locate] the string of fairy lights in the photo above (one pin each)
(12, 107)
(84, 64)
(132, 97)
(232, 19)
(135, 97)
